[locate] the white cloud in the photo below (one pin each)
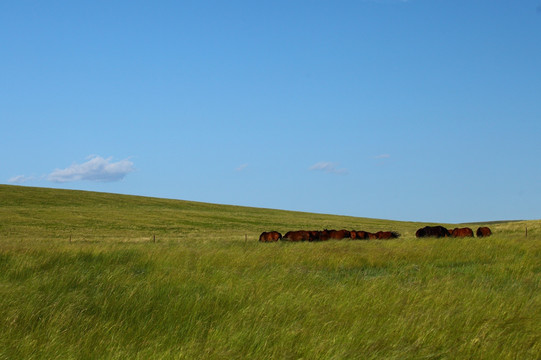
(328, 167)
(241, 167)
(95, 169)
(20, 179)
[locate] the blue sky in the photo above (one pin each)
(421, 110)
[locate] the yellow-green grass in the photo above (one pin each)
(207, 289)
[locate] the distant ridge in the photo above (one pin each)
(492, 222)
(30, 213)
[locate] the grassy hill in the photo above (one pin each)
(37, 213)
(204, 291)
(52, 214)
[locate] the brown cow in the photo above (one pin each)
(372, 236)
(385, 235)
(339, 234)
(316, 235)
(324, 235)
(361, 235)
(483, 231)
(432, 231)
(461, 232)
(300, 235)
(270, 236)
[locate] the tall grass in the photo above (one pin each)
(204, 292)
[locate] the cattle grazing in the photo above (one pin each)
(324, 235)
(483, 231)
(385, 235)
(432, 231)
(317, 236)
(339, 234)
(461, 232)
(361, 235)
(300, 235)
(313, 236)
(270, 236)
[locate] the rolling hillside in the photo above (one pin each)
(207, 289)
(37, 213)
(46, 214)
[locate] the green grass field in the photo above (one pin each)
(81, 277)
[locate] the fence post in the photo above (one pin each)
(154, 238)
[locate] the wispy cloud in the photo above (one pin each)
(20, 179)
(328, 167)
(241, 167)
(95, 169)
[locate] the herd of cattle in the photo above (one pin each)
(440, 231)
(316, 235)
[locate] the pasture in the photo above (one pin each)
(92, 275)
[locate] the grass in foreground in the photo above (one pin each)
(210, 294)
